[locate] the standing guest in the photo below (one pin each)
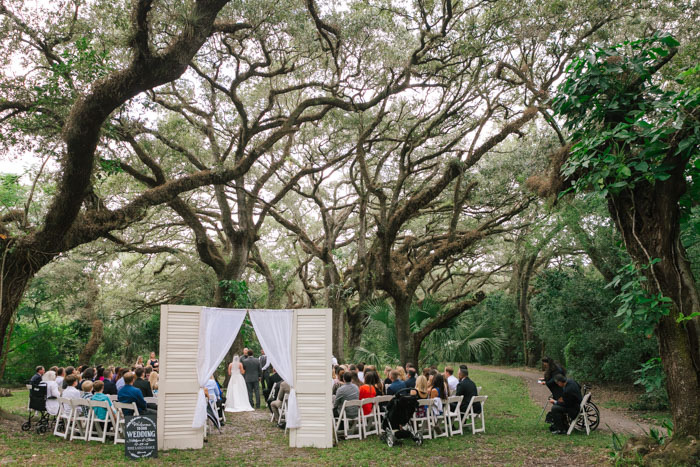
(337, 384)
(153, 361)
(361, 372)
(139, 362)
(467, 389)
(451, 380)
(411, 380)
(88, 375)
(369, 390)
(71, 392)
(153, 381)
(253, 374)
(245, 354)
(141, 383)
(568, 404)
(59, 378)
(396, 383)
(101, 412)
(52, 392)
(128, 394)
(110, 388)
(551, 369)
(36, 379)
(265, 365)
(120, 379)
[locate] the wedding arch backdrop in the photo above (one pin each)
(193, 342)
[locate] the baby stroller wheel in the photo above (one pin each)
(26, 426)
(41, 429)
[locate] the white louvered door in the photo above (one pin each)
(311, 348)
(177, 386)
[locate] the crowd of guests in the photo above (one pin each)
(129, 384)
(360, 381)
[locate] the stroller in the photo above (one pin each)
(37, 405)
(397, 422)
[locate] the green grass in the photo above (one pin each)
(512, 438)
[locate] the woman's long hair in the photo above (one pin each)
(439, 384)
(422, 387)
(552, 368)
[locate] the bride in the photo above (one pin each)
(237, 392)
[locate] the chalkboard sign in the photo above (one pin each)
(141, 440)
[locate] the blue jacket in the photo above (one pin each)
(395, 387)
(129, 394)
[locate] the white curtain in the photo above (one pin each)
(274, 331)
(218, 327)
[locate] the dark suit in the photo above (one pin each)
(571, 395)
(411, 382)
(36, 379)
(144, 386)
(274, 379)
(110, 387)
(252, 375)
(467, 389)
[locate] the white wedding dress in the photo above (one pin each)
(237, 392)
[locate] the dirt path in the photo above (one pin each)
(609, 419)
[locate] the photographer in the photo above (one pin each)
(568, 404)
(551, 369)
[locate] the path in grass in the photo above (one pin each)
(512, 438)
(610, 420)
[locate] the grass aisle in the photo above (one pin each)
(511, 438)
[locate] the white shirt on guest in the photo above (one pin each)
(71, 392)
(452, 383)
(361, 376)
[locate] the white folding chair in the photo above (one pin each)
(346, 422)
(273, 397)
(151, 400)
(99, 429)
(469, 416)
(440, 424)
(113, 397)
(581, 416)
(370, 422)
(81, 419)
(283, 412)
(425, 420)
(119, 435)
(63, 415)
(454, 415)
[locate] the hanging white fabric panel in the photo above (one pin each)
(274, 331)
(218, 327)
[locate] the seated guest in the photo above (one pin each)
(141, 383)
(438, 392)
(69, 371)
(422, 390)
(387, 372)
(88, 375)
(120, 379)
(274, 379)
(426, 372)
(346, 392)
(71, 392)
(411, 380)
(36, 379)
(467, 389)
(60, 374)
(402, 373)
(361, 372)
(355, 380)
(212, 387)
(368, 390)
(52, 392)
(568, 404)
(396, 383)
(115, 374)
(451, 380)
(99, 373)
(153, 381)
(551, 369)
(86, 391)
(376, 382)
(101, 412)
(109, 387)
(276, 405)
(341, 373)
(128, 394)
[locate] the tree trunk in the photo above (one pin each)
(96, 334)
(355, 324)
(523, 273)
(649, 219)
(403, 330)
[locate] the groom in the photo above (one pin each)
(253, 372)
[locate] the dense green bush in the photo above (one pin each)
(574, 316)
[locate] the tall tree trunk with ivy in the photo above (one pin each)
(639, 146)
